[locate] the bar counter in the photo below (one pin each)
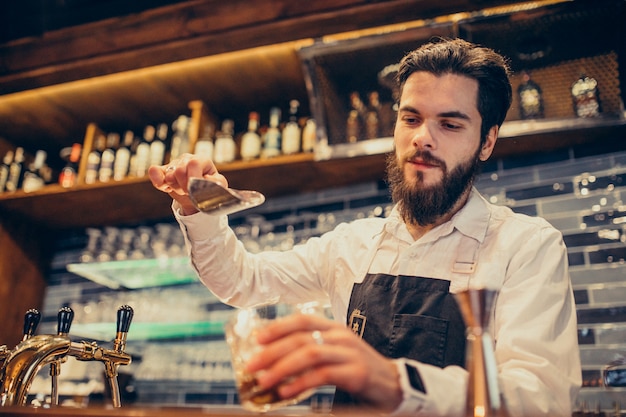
(208, 411)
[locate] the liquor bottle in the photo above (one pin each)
(292, 134)
(309, 136)
(355, 124)
(386, 115)
(107, 161)
(68, 176)
(251, 140)
(93, 159)
(225, 149)
(530, 98)
(142, 152)
(159, 145)
(271, 139)
(180, 137)
(33, 180)
(204, 145)
(4, 169)
(121, 165)
(585, 97)
(372, 117)
(16, 171)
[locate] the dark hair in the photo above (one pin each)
(457, 56)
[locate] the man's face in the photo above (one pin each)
(437, 140)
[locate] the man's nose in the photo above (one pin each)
(423, 137)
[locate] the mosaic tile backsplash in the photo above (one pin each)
(581, 196)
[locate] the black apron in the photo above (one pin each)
(411, 317)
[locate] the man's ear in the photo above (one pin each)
(490, 143)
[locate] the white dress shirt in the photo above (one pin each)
(524, 258)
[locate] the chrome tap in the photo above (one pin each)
(29, 356)
(31, 321)
(483, 393)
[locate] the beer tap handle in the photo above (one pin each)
(31, 321)
(64, 322)
(124, 318)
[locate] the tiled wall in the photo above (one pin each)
(581, 196)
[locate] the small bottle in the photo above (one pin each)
(93, 159)
(142, 152)
(292, 134)
(251, 140)
(68, 176)
(107, 160)
(586, 97)
(159, 145)
(353, 127)
(180, 137)
(204, 145)
(372, 117)
(271, 139)
(121, 165)
(530, 98)
(309, 136)
(16, 171)
(33, 181)
(4, 169)
(225, 149)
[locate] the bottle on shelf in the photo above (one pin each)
(585, 96)
(180, 137)
(385, 112)
(225, 149)
(353, 127)
(121, 165)
(159, 145)
(33, 180)
(107, 160)
(530, 98)
(292, 134)
(309, 135)
(16, 171)
(69, 173)
(251, 140)
(204, 145)
(94, 157)
(272, 138)
(142, 152)
(4, 169)
(372, 117)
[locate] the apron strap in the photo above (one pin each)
(465, 264)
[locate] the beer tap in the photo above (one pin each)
(31, 321)
(29, 356)
(64, 322)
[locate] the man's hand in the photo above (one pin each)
(311, 351)
(173, 178)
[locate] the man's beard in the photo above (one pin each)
(423, 205)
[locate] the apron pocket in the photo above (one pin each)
(420, 338)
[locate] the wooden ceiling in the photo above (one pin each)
(127, 71)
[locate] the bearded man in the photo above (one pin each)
(398, 342)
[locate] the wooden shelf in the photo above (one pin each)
(134, 200)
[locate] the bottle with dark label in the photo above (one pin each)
(68, 176)
(121, 165)
(586, 97)
(292, 134)
(251, 140)
(107, 160)
(530, 98)
(93, 159)
(16, 171)
(225, 149)
(4, 169)
(272, 138)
